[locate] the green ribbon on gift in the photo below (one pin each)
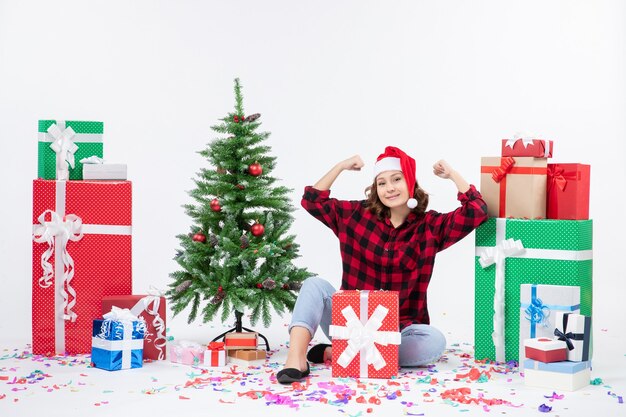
(556, 252)
(88, 138)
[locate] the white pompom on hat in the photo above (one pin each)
(394, 159)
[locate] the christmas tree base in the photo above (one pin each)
(239, 328)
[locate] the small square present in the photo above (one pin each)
(187, 352)
(241, 340)
(248, 355)
(63, 144)
(568, 191)
(537, 148)
(151, 308)
(575, 330)
(215, 354)
(117, 341)
(545, 350)
(565, 375)
(365, 334)
(514, 187)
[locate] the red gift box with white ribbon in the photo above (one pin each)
(365, 334)
(81, 253)
(151, 308)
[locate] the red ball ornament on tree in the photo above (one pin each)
(255, 169)
(220, 289)
(257, 229)
(259, 285)
(199, 237)
(215, 205)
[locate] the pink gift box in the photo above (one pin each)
(187, 353)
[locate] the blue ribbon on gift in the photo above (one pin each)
(537, 312)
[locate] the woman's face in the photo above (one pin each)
(392, 189)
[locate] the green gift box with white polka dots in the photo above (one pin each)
(88, 139)
(555, 252)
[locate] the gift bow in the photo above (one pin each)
(362, 337)
(506, 164)
(556, 177)
(120, 314)
(216, 346)
(525, 138)
(63, 145)
(497, 255)
(537, 312)
(566, 337)
(63, 229)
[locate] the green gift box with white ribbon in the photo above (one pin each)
(512, 252)
(62, 144)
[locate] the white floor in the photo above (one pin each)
(69, 387)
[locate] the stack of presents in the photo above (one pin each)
(533, 270)
(82, 299)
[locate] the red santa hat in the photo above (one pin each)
(394, 159)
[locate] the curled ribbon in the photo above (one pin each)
(505, 166)
(497, 255)
(537, 312)
(363, 337)
(64, 147)
(150, 304)
(57, 232)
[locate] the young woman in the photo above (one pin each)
(387, 242)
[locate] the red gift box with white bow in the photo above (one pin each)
(81, 253)
(365, 334)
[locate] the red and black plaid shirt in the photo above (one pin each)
(377, 256)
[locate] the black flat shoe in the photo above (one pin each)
(289, 375)
(316, 354)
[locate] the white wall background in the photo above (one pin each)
(445, 79)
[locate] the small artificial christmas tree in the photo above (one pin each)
(238, 255)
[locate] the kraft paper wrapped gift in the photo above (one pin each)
(566, 376)
(186, 352)
(514, 187)
(568, 191)
(215, 354)
(150, 308)
(117, 341)
(575, 329)
(365, 334)
(545, 350)
(62, 144)
(537, 148)
(539, 308)
(241, 340)
(104, 171)
(248, 355)
(512, 252)
(82, 252)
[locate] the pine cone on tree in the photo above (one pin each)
(217, 298)
(245, 242)
(213, 240)
(252, 117)
(269, 284)
(294, 286)
(183, 286)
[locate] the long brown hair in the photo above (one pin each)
(374, 204)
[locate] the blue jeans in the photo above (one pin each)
(421, 344)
